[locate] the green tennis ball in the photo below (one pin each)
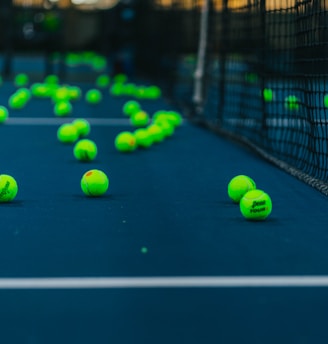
(85, 150)
(256, 205)
(21, 80)
(83, 127)
(93, 96)
(8, 188)
(166, 126)
(131, 107)
(292, 103)
(120, 78)
(125, 142)
(74, 92)
(16, 102)
(139, 119)
(3, 114)
(325, 100)
(60, 94)
(40, 90)
(63, 108)
(51, 79)
(117, 90)
(102, 81)
(154, 92)
(156, 132)
(24, 93)
(94, 183)
(268, 95)
(67, 133)
(143, 138)
(174, 118)
(238, 186)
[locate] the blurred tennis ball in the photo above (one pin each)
(125, 142)
(67, 133)
(83, 127)
(85, 150)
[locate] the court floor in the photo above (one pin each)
(164, 256)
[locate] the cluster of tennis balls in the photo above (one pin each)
(135, 91)
(254, 204)
(148, 130)
(94, 182)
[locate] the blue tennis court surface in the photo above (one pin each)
(164, 256)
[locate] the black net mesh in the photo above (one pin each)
(264, 79)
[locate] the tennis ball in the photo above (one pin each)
(16, 102)
(3, 114)
(74, 92)
(325, 100)
(268, 95)
(174, 118)
(51, 79)
(67, 133)
(102, 81)
(85, 150)
(125, 142)
(8, 188)
(154, 92)
(139, 119)
(94, 183)
(40, 90)
(156, 132)
(82, 126)
(238, 186)
(143, 138)
(60, 94)
(167, 127)
(131, 107)
(21, 80)
(292, 103)
(120, 78)
(116, 90)
(63, 108)
(255, 205)
(93, 96)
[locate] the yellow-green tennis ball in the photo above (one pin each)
(131, 107)
(8, 188)
(63, 108)
(238, 186)
(255, 205)
(85, 150)
(174, 118)
(60, 94)
(156, 133)
(125, 142)
(166, 126)
(16, 101)
(21, 80)
(94, 183)
(67, 133)
(3, 114)
(139, 119)
(93, 96)
(83, 127)
(74, 92)
(292, 103)
(143, 138)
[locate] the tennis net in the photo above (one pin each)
(261, 77)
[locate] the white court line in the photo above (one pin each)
(163, 282)
(58, 121)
